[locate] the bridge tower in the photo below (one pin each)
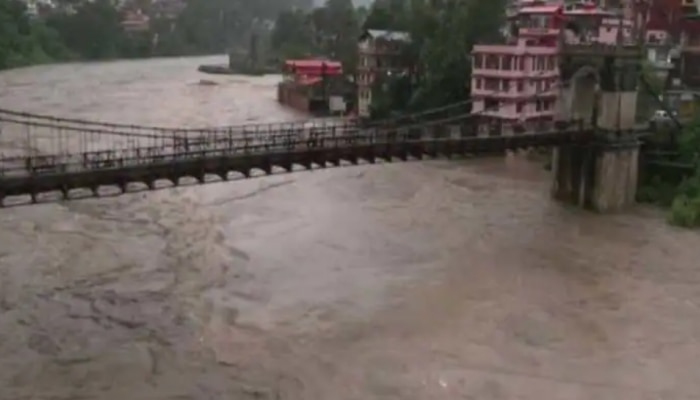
(599, 86)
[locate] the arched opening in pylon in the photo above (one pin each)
(584, 100)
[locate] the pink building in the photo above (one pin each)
(516, 84)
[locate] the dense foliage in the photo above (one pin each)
(92, 30)
(672, 186)
(331, 30)
(685, 208)
(443, 33)
(24, 41)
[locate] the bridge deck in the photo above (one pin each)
(72, 172)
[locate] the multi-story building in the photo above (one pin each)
(683, 85)
(659, 48)
(379, 55)
(673, 47)
(136, 21)
(516, 83)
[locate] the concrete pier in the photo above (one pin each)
(599, 88)
(603, 175)
(617, 161)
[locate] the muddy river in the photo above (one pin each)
(423, 280)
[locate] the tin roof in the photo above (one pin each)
(399, 36)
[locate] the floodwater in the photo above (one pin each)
(425, 280)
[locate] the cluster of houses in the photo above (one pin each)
(516, 80)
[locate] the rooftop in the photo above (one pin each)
(313, 63)
(398, 36)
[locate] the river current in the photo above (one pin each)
(421, 280)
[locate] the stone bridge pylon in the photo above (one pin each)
(600, 87)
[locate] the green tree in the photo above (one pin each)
(442, 36)
(94, 31)
(24, 41)
(685, 204)
(292, 36)
(331, 31)
(343, 27)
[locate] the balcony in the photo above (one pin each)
(537, 31)
(513, 93)
(515, 74)
(595, 49)
(511, 113)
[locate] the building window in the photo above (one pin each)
(491, 84)
(477, 83)
(550, 63)
(507, 63)
(491, 61)
(520, 106)
(521, 60)
(506, 85)
(491, 105)
(521, 86)
(478, 61)
(538, 105)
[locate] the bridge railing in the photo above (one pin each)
(38, 146)
(161, 149)
(40, 138)
(146, 130)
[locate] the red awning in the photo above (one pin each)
(314, 64)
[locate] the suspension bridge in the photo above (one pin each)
(44, 158)
(48, 158)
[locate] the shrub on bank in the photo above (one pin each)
(685, 209)
(682, 199)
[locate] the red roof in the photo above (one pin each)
(313, 63)
(540, 9)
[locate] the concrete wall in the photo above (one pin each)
(615, 180)
(617, 110)
(583, 98)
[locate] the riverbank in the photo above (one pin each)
(670, 177)
(83, 61)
